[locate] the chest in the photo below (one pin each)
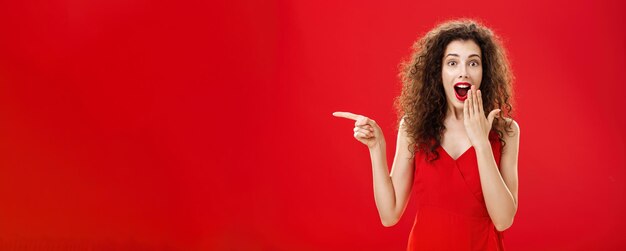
(455, 141)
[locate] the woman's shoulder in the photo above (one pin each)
(511, 124)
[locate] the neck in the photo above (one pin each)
(454, 113)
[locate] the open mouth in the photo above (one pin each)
(460, 90)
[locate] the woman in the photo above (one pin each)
(452, 143)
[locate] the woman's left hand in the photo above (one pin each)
(476, 124)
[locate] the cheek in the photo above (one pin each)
(446, 75)
(478, 76)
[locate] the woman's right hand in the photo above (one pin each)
(365, 129)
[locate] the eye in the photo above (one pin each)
(451, 63)
(474, 63)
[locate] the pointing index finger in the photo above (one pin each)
(347, 115)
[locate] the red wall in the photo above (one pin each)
(189, 125)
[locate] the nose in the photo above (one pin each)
(463, 73)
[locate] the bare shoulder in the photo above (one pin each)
(404, 140)
(402, 128)
(510, 134)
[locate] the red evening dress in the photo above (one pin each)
(452, 214)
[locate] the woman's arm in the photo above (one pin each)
(392, 192)
(500, 186)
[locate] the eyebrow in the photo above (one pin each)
(457, 55)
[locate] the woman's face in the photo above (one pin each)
(462, 67)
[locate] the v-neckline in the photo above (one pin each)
(460, 156)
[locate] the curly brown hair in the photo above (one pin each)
(422, 103)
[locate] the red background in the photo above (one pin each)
(191, 125)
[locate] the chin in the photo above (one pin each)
(455, 103)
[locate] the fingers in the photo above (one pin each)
(360, 119)
(474, 101)
(492, 115)
(347, 115)
(363, 133)
(470, 105)
(479, 98)
(365, 127)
